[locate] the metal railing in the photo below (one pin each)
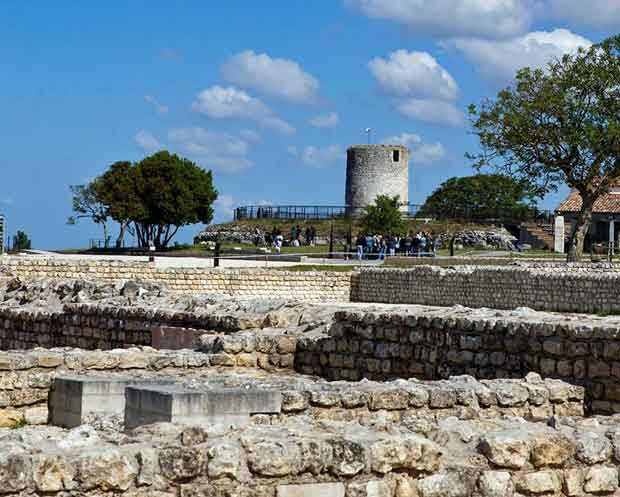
(309, 212)
(319, 212)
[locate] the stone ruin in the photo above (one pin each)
(130, 389)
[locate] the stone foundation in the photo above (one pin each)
(433, 343)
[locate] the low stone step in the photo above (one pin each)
(74, 398)
(226, 406)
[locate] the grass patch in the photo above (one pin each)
(341, 268)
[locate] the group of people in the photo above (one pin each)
(420, 244)
(276, 240)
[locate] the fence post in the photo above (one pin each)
(216, 255)
(331, 240)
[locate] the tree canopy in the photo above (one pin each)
(482, 196)
(559, 125)
(156, 196)
(85, 203)
(21, 241)
(384, 216)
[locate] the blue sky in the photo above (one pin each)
(266, 94)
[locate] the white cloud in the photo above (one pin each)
(217, 150)
(421, 152)
(328, 120)
(224, 207)
(160, 108)
(419, 87)
(277, 124)
(499, 60)
(318, 157)
(221, 103)
(419, 74)
(218, 102)
(430, 110)
(283, 78)
(594, 13)
(453, 18)
(147, 141)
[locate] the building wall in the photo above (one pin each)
(371, 171)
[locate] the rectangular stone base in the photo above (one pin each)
(229, 407)
(73, 398)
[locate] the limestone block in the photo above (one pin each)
(539, 482)
(495, 484)
(552, 450)
(107, 470)
(593, 448)
(506, 449)
(573, 482)
(600, 479)
(53, 473)
(182, 463)
(311, 490)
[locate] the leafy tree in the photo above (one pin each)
(170, 192)
(115, 190)
(558, 126)
(384, 217)
(481, 196)
(21, 241)
(86, 204)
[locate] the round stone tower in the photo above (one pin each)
(376, 170)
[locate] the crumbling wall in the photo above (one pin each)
(433, 345)
(324, 286)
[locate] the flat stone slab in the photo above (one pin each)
(311, 490)
(74, 398)
(225, 406)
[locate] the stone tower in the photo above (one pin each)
(376, 170)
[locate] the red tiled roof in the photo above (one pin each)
(608, 203)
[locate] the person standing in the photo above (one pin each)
(360, 246)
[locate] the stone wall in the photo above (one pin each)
(555, 287)
(321, 286)
(432, 345)
(26, 377)
(550, 286)
(92, 327)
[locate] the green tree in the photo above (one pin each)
(152, 198)
(482, 196)
(170, 192)
(86, 204)
(384, 217)
(560, 125)
(115, 190)
(21, 242)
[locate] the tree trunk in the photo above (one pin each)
(580, 230)
(105, 234)
(121, 233)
